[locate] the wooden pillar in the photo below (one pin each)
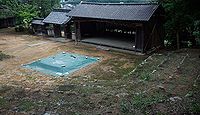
(139, 38)
(78, 31)
(57, 30)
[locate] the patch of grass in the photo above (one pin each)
(3, 103)
(4, 88)
(26, 105)
(140, 102)
(125, 107)
(66, 87)
(111, 83)
(3, 56)
(195, 108)
(124, 71)
(145, 76)
(116, 69)
(41, 103)
(89, 90)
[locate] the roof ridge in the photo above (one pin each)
(61, 10)
(38, 18)
(98, 3)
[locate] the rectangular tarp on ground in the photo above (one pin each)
(61, 64)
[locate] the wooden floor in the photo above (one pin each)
(120, 43)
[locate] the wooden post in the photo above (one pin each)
(139, 38)
(77, 31)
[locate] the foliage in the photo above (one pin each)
(196, 31)
(45, 6)
(4, 13)
(195, 107)
(25, 11)
(180, 16)
(26, 14)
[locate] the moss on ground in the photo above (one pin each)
(3, 103)
(26, 105)
(3, 56)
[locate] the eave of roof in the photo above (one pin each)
(38, 21)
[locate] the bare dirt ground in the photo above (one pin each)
(167, 82)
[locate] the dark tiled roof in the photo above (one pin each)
(134, 12)
(37, 21)
(57, 16)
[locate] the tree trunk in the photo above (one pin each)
(178, 40)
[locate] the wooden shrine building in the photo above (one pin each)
(38, 27)
(134, 27)
(58, 23)
(7, 19)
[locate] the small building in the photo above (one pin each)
(7, 19)
(58, 23)
(134, 27)
(38, 27)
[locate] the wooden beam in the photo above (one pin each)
(117, 22)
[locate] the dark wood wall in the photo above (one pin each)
(154, 31)
(57, 30)
(39, 29)
(7, 22)
(67, 30)
(99, 27)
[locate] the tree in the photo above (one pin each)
(26, 10)
(26, 13)
(23, 12)
(45, 6)
(180, 16)
(196, 31)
